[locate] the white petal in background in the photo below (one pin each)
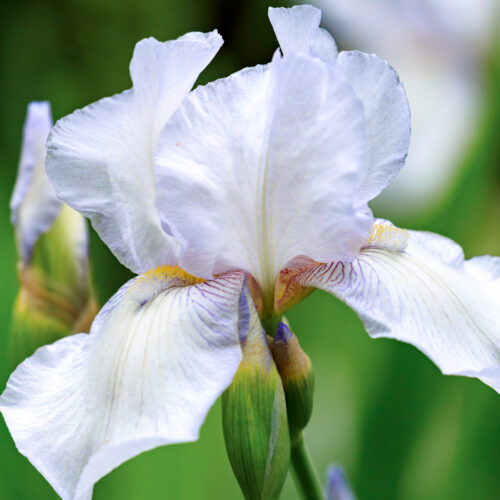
(159, 354)
(424, 293)
(445, 106)
(100, 158)
(34, 204)
(437, 48)
(254, 170)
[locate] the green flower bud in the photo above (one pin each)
(56, 297)
(296, 373)
(255, 422)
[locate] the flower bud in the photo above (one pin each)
(255, 422)
(56, 294)
(296, 374)
(337, 487)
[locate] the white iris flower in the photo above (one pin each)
(258, 185)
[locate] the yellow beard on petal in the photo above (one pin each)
(155, 281)
(386, 235)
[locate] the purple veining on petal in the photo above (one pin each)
(244, 313)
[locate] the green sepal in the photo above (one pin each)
(255, 422)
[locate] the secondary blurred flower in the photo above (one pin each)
(438, 47)
(337, 487)
(256, 178)
(56, 296)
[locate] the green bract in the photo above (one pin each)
(56, 297)
(255, 422)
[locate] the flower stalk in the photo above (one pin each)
(303, 473)
(296, 374)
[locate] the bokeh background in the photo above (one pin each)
(400, 429)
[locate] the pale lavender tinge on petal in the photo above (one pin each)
(295, 27)
(252, 171)
(100, 158)
(323, 45)
(425, 294)
(145, 376)
(34, 205)
(387, 115)
(297, 30)
(375, 84)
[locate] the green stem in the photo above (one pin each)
(303, 473)
(270, 324)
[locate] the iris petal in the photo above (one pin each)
(159, 354)
(100, 158)
(34, 204)
(424, 293)
(260, 167)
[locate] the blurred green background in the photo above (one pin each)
(382, 409)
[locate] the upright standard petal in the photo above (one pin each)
(416, 287)
(100, 158)
(34, 205)
(159, 354)
(387, 115)
(258, 168)
(297, 30)
(375, 84)
(295, 27)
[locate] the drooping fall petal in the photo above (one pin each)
(159, 354)
(417, 287)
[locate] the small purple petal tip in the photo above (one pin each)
(283, 333)
(337, 487)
